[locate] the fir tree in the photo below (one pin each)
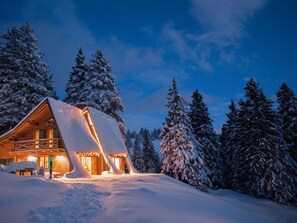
(205, 135)
(228, 144)
(287, 113)
(128, 142)
(263, 167)
(182, 156)
(24, 79)
(100, 90)
(75, 85)
(150, 157)
(137, 156)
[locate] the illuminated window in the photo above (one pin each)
(32, 158)
(116, 162)
(43, 161)
(50, 136)
(36, 137)
(87, 163)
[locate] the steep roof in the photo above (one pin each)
(73, 127)
(107, 131)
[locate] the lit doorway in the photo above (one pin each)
(87, 163)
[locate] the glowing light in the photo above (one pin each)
(60, 158)
(32, 158)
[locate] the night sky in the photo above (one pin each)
(214, 46)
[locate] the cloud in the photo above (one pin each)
(223, 25)
(127, 59)
(224, 21)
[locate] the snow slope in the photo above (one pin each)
(130, 198)
(19, 195)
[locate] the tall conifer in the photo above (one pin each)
(24, 79)
(263, 166)
(287, 114)
(205, 135)
(76, 82)
(182, 155)
(100, 90)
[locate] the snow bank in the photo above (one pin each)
(145, 198)
(78, 170)
(13, 167)
(154, 198)
(19, 195)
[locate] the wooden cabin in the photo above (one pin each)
(78, 142)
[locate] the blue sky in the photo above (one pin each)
(210, 45)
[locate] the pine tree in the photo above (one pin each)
(205, 135)
(182, 155)
(150, 157)
(263, 168)
(128, 142)
(100, 90)
(137, 156)
(228, 144)
(287, 113)
(24, 79)
(75, 84)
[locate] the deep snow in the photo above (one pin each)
(129, 198)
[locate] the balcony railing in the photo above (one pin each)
(36, 144)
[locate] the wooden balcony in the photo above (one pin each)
(36, 144)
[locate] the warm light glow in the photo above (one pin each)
(60, 158)
(32, 158)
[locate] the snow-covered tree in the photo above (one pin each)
(100, 90)
(228, 144)
(205, 135)
(76, 82)
(137, 156)
(182, 155)
(24, 79)
(263, 166)
(128, 142)
(150, 157)
(287, 113)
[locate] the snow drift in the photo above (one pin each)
(129, 198)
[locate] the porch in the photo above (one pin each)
(37, 145)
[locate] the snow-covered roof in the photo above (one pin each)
(108, 132)
(73, 127)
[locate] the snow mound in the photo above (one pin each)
(78, 170)
(145, 198)
(19, 195)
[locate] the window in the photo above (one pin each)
(43, 161)
(50, 136)
(116, 162)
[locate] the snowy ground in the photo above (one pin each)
(130, 198)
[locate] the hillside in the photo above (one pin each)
(129, 198)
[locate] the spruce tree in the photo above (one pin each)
(205, 135)
(128, 142)
(75, 85)
(263, 167)
(228, 144)
(287, 114)
(150, 157)
(24, 79)
(137, 156)
(182, 155)
(100, 90)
